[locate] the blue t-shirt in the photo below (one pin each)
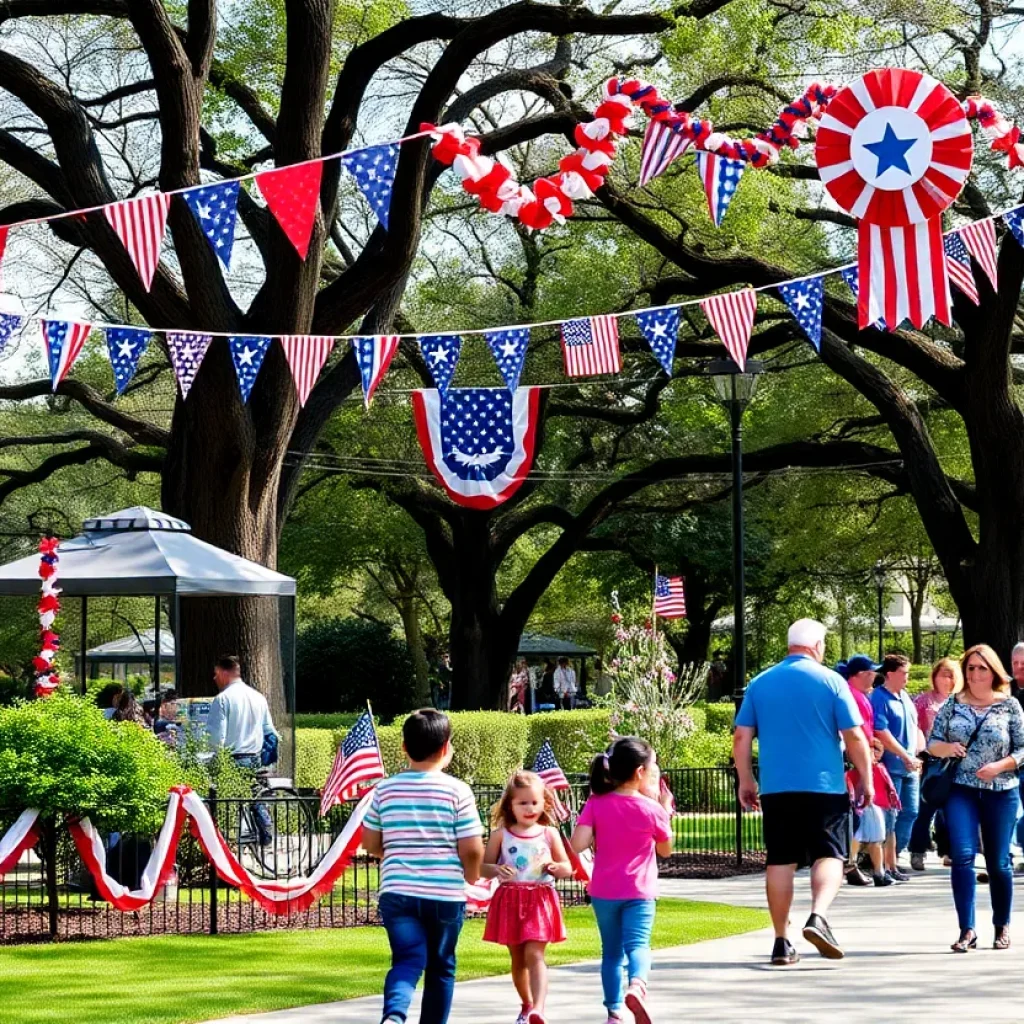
(895, 712)
(798, 709)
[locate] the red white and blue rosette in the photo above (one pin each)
(894, 149)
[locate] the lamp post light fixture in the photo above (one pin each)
(734, 388)
(880, 585)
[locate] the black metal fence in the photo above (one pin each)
(712, 838)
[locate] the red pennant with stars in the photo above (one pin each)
(292, 194)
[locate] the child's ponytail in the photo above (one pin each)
(600, 776)
(618, 764)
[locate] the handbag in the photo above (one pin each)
(940, 774)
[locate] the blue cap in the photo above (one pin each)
(860, 663)
(840, 667)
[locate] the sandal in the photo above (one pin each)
(968, 940)
(1002, 938)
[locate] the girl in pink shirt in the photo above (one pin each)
(626, 820)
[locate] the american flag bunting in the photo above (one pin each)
(187, 351)
(661, 329)
(719, 175)
(732, 317)
(125, 346)
(669, 597)
(293, 196)
(9, 323)
(806, 301)
(374, 356)
(980, 239)
(660, 147)
(247, 354)
(958, 266)
(140, 224)
(374, 171)
(306, 356)
(591, 346)
(357, 762)
(547, 767)
(441, 354)
(64, 341)
(1014, 220)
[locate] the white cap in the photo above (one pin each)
(806, 633)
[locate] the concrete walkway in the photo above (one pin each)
(898, 966)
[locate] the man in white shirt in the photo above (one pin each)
(565, 684)
(239, 720)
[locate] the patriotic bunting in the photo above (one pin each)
(3, 245)
(125, 346)
(292, 195)
(591, 346)
(732, 317)
(441, 354)
(806, 301)
(1014, 220)
(374, 172)
(958, 266)
(186, 351)
(719, 176)
(980, 239)
(661, 329)
(669, 597)
(140, 224)
(306, 357)
(661, 146)
(509, 350)
(215, 207)
(851, 275)
(9, 323)
(374, 356)
(247, 353)
(64, 340)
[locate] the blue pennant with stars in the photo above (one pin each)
(9, 323)
(125, 346)
(247, 354)
(374, 171)
(509, 349)
(806, 300)
(215, 207)
(441, 354)
(851, 275)
(661, 329)
(1015, 222)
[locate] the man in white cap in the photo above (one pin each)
(797, 711)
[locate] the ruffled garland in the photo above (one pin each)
(47, 677)
(1004, 135)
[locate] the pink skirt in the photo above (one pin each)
(524, 912)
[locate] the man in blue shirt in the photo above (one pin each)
(896, 727)
(797, 711)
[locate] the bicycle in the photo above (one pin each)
(294, 841)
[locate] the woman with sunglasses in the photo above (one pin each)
(983, 727)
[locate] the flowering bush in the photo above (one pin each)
(647, 698)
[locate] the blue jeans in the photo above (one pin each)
(995, 813)
(423, 935)
(1020, 819)
(261, 816)
(908, 789)
(625, 927)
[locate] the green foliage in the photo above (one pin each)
(717, 717)
(341, 720)
(576, 736)
(13, 689)
(488, 745)
(314, 755)
(342, 663)
(60, 755)
(705, 749)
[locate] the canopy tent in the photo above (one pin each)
(537, 645)
(142, 553)
(135, 650)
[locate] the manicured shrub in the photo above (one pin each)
(576, 736)
(706, 749)
(488, 745)
(339, 720)
(719, 717)
(314, 755)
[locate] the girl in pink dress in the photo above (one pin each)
(526, 854)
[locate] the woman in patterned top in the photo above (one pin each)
(984, 727)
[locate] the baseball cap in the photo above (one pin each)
(842, 668)
(860, 663)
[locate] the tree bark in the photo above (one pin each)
(408, 610)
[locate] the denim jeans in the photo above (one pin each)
(921, 833)
(908, 789)
(1020, 818)
(625, 927)
(994, 812)
(264, 826)
(423, 935)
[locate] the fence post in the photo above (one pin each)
(211, 801)
(739, 818)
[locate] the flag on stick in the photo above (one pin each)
(669, 599)
(358, 761)
(551, 774)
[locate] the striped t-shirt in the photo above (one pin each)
(422, 816)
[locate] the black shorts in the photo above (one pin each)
(800, 828)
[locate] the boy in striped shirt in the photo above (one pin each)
(425, 827)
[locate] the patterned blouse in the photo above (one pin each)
(1001, 735)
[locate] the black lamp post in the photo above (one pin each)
(735, 388)
(880, 584)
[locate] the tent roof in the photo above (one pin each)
(141, 552)
(536, 643)
(127, 648)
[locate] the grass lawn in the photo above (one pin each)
(180, 979)
(714, 831)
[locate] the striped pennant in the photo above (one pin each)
(306, 356)
(64, 340)
(980, 239)
(661, 146)
(591, 346)
(140, 225)
(958, 266)
(374, 355)
(732, 317)
(3, 245)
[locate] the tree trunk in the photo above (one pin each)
(916, 607)
(414, 641)
(48, 854)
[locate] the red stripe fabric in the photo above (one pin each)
(980, 239)
(732, 317)
(306, 356)
(140, 224)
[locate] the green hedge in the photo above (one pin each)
(704, 749)
(314, 755)
(337, 720)
(717, 717)
(576, 736)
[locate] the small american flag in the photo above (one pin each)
(732, 317)
(358, 760)
(980, 239)
(551, 774)
(669, 599)
(661, 146)
(140, 225)
(591, 346)
(958, 266)
(306, 357)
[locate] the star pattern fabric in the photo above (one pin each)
(806, 300)
(890, 151)
(64, 340)
(720, 176)
(508, 347)
(476, 432)
(293, 195)
(374, 171)
(125, 346)
(215, 207)
(9, 323)
(661, 329)
(247, 353)
(441, 354)
(1014, 220)
(186, 351)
